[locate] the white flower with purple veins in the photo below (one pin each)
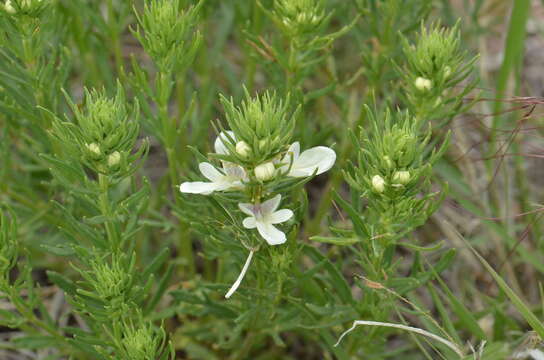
(264, 216)
(231, 176)
(313, 161)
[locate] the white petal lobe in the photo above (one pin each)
(210, 172)
(269, 206)
(317, 159)
(280, 216)
(248, 209)
(271, 234)
(219, 145)
(249, 223)
(199, 187)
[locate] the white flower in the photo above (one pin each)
(314, 160)
(265, 171)
(264, 216)
(231, 178)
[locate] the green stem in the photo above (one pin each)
(105, 209)
(169, 131)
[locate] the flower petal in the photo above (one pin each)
(249, 223)
(290, 157)
(234, 171)
(320, 158)
(219, 145)
(269, 206)
(270, 233)
(200, 187)
(294, 149)
(248, 209)
(280, 216)
(210, 172)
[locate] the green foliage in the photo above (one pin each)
(337, 187)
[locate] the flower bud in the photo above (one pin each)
(8, 7)
(265, 171)
(401, 177)
(94, 149)
(263, 144)
(447, 72)
(388, 161)
(423, 84)
(114, 159)
(243, 149)
(378, 183)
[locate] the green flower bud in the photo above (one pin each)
(114, 159)
(109, 280)
(8, 7)
(388, 161)
(94, 150)
(299, 16)
(378, 183)
(140, 341)
(447, 72)
(265, 171)
(423, 84)
(401, 177)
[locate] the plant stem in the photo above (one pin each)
(105, 209)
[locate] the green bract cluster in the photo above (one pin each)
(299, 18)
(263, 127)
(30, 8)
(169, 33)
(435, 65)
(394, 168)
(104, 134)
(141, 341)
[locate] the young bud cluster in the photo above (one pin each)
(31, 8)
(262, 127)
(434, 65)
(170, 35)
(103, 133)
(393, 160)
(300, 17)
(109, 280)
(394, 169)
(140, 340)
